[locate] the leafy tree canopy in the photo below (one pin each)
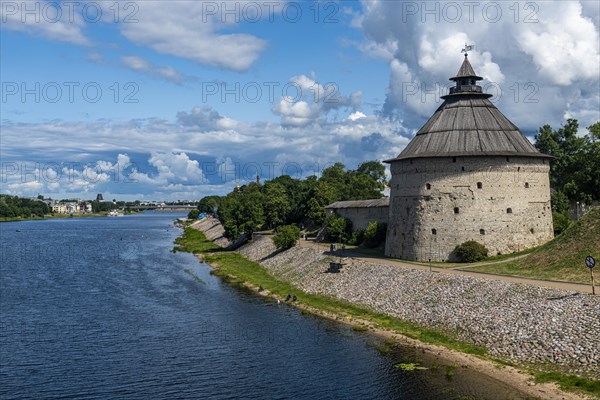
(285, 200)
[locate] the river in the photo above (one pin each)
(101, 308)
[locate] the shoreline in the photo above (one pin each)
(518, 376)
(506, 374)
(60, 216)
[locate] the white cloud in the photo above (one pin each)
(136, 63)
(356, 115)
(144, 66)
(189, 30)
(197, 155)
(541, 68)
(205, 118)
(564, 44)
(30, 188)
(48, 20)
(312, 101)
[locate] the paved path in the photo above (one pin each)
(578, 287)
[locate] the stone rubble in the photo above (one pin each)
(518, 322)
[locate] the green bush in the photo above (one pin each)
(193, 214)
(357, 237)
(375, 234)
(560, 222)
(338, 229)
(286, 236)
(471, 251)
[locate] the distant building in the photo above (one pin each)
(99, 197)
(86, 207)
(59, 208)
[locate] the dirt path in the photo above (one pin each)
(577, 287)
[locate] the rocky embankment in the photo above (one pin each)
(215, 232)
(522, 323)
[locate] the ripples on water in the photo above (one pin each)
(100, 308)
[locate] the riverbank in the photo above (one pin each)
(360, 293)
(59, 216)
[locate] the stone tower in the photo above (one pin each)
(468, 174)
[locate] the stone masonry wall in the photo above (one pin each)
(362, 216)
(438, 203)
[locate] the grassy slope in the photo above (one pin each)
(562, 258)
(236, 269)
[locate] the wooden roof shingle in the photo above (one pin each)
(382, 202)
(468, 124)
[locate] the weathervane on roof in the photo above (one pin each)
(468, 47)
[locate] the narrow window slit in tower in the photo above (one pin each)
(482, 231)
(456, 210)
(479, 185)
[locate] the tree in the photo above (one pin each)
(560, 222)
(363, 187)
(575, 170)
(193, 214)
(286, 237)
(374, 169)
(285, 200)
(338, 229)
(315, 211)
(276, 204)
(14, 206)
(375, 234)
(560, 203)
(208, 204)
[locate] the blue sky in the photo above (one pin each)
(180, 99)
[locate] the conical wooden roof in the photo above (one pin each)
(466, 71)
(468, 124)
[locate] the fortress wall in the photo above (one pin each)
(438, 203)
(362, 216)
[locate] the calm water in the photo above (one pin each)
(100, 308)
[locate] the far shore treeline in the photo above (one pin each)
(14, 207)
(574, 176)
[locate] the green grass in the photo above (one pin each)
(379, 253)
(410, 367)
(195, 242)
(236, 269)
(560, 259)
(570, 382)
